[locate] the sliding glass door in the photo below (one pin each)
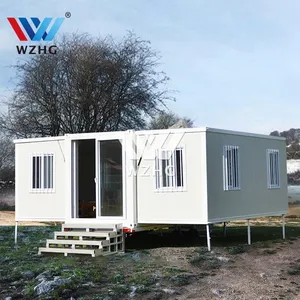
(110, 180)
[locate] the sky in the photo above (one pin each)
(233, 64)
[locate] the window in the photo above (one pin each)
(231, 173)
(42, 172)
(273, 168)
(169, 169)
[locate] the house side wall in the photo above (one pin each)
(39, 205)
(172, 207)
(255, 198)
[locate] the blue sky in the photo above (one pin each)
(235, 64)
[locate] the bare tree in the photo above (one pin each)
(90, 85)
(164, 120)
(7, 158)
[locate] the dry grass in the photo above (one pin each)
(7, 218)
(294, 210)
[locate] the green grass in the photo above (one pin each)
(236, 250)
(205, 260)
(115, 275)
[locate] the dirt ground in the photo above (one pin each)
(7, 218)
(294, 210)
(252, 275)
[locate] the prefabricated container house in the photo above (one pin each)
(100, 184)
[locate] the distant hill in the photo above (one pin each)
(292, 142)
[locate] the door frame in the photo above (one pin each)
(72, 207)
(98, 178)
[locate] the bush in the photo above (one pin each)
(236, 250)
(6, 207)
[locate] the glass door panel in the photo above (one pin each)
(111, 178)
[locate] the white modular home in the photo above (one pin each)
(100, 184)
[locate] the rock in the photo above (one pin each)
(169, 291)
(47, 286)
(28, 274)
(133, 290)
(89, 284)
(223, 258)
(8, 298)
(217, 292)
(263, 275)
(136, 256)
(43, 276)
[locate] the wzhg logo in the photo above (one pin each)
(40, 31)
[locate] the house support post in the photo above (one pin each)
(16, 232)
(224, 229)
(249, 233)
(123, 242)
(283, 227)
(208, 237)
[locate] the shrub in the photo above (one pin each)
(236, 250)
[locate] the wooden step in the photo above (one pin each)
(66, 251)
(89, 239)
(81, 234)
(105, 227)
(100, 244)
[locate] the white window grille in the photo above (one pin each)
(273, 170)
(169, 170)
(231, 168)
(42, 172)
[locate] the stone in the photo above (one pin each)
(217, 292)
(47, 286)
(169, 291)
(8, 298)
(43, 276)
(263, 275)
(89, 284)
(133, 290)
(136, 256)
(28, 274)
(223, 258)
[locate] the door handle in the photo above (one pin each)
(94, 208)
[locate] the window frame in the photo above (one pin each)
(232, 181)
(276, 175)
(158, 178)
(42, 188)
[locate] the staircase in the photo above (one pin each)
(91, 239)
